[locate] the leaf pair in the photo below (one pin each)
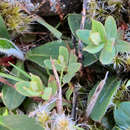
(65, 63)
(103, 38)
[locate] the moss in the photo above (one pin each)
(16, 20)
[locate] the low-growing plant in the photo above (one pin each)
(52, 78)
(103, 39)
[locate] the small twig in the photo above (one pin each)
(80, 44)
(59, 99)
(2, 80)
(95, 96)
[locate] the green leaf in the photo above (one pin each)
(11, 98)
(122, 46)
(48, 65)
(10, 77)
(98, 27)
(122, 115)
(89, 59)
(116, 128)
(25, 88)
(91, 48)
(74, 21)
(39, 54)
(67, 77)
(21, 71)
(128, 83)
(111, 28)
(54, 31)
(83, 35)
(32, 88)
(72, 58)
(3, 29)
(9, 48)
(35, 79)
(20, 122)
(95, 38)
(37, 70)
(3, 128)
(47, 93)
(63, 51)
(107, 54)
(69, 93)
(72, 69)
(105, 98)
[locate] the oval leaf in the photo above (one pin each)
(122, 115)
(107, 53)
(111, 28)
(20, 122)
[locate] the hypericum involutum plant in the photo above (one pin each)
(104, 39)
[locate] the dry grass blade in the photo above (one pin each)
(2, 80)
(95, 96)
(59, 98)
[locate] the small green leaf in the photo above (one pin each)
(25, 88)
(89, 58)
(67, 77)
(9, 48)
(74, 21)
(54, 31)
(72, 58)
(3, 29)
(10, 77)
(21, 71)
(32, 88)
(128, 83)
(98, 27)
(95, 38)
(20, 122)
(122, 46)
(49, 65)
(39, 54)
(69, 93)
(11, 98)
(74, 67)
(64, 52)
(37, 80)
(122, 115)
(83, 35)
(111, 28)
(116, 128)
(47, 93)
(91, 48)
(3, 128)
(107, 54)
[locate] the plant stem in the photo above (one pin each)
(82, 24)
(59, 99)
(2, 80)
